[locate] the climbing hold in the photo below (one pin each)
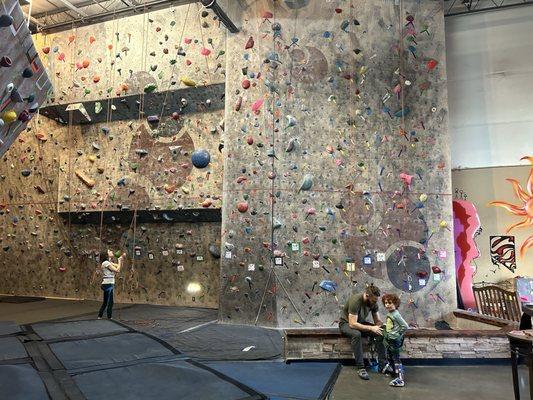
(423, 197)
(24, 116)
(214, 250)
(27, 73)
(9, 116)
(256, 106)
(85, 179)
(187, 81)
(431, 64)
(15, 96)
(246, 84)
(250, 140)
(407, 179)
(5, 62)
(328, 286)
(443, 224)
(150, 88)
(307, 182)
(436, 269)
(153, 119)
(238, 103)
(46, 50)
(291, 121)
(200, 158)
(291, 145)
(6, 20)
(205, 52)
(249, 44)
(25, 172)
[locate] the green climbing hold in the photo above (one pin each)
(151, 87)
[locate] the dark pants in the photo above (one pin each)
(357, 343)
(108, 300)
(394, 347)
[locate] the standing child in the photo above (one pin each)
(395, 327)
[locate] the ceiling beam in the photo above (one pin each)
(72, 7)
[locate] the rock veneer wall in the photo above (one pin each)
(336, 161)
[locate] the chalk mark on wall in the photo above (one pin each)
(502, 252)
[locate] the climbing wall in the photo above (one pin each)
(128, 146)
(148, 93)
(24, 83)
(336, 161)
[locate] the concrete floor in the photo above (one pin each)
(431, 383)
(487, 382)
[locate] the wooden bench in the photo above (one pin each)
(329, 343)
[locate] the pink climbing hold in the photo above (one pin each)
(256, 106)
(205, 52)
(250, 140)
(61, 57)
(407, 179)
(249, 44)
(267, 15)
(187, 40)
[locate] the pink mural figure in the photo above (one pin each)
(523, 210)
(465, 226)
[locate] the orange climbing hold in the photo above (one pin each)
(96, 79)
(92, 39)
(85, 63)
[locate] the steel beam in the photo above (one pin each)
(486, 9)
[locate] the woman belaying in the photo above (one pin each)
(109, 269)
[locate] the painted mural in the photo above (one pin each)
(524, 209)
(466, 226)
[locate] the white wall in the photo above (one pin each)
(490, 87)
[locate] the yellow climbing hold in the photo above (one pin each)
(443, 224)
(92, 158)
(187, 81)
(85, 179)
(9, 116)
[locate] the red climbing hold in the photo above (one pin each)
(431, 64)
(242, 206)
(245, 84)
(250, 43)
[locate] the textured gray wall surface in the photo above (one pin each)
(336, 160)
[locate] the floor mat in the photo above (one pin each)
(155, 381)
(70, 329)
(9, 328)
(277, 380)
(226, 342)
(21, 382)
(11, 348)
(19, 299)
(108, 350)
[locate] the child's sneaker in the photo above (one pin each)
(363, 374)
(387, 369)
(397, 383)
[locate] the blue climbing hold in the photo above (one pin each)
(328, 286)
(6, 20)
(200, 158)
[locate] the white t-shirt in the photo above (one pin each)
(109, 276)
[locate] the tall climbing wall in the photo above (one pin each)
(148, 93)
(336, 161)
(24, 83)
(128, 146)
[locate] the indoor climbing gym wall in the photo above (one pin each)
(336, 160)
(24, 83)
(126, 155)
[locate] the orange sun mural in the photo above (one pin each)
(525, 209)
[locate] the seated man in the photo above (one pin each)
(353, 324)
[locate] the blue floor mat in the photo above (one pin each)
(280, 381)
